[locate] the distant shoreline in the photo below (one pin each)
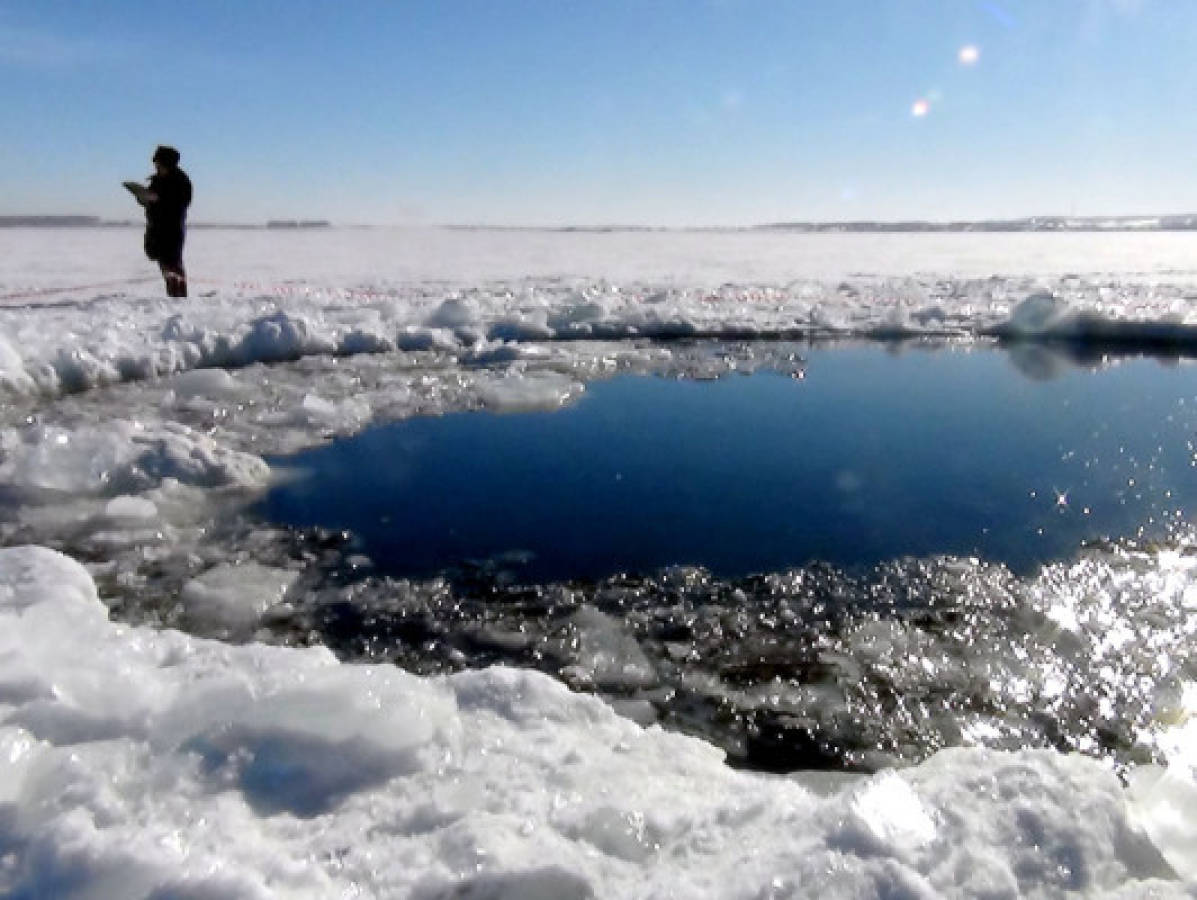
(1038, 224)
(1079, 224)
(1185, 222)
(97, 222)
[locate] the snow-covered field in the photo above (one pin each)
(144, 761)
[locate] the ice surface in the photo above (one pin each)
(148, 763)
(471, 294)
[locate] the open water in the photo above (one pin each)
(867, 456)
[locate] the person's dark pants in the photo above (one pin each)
(167, 251)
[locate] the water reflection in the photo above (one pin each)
(1041, 361)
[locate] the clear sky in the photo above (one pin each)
(590, 112)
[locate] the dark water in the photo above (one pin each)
(869, 457)
(875, 462)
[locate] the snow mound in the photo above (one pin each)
(145, 763)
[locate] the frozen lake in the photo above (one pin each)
(378, 258)
(175, 670)
(861, 456)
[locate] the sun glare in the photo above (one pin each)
(920, 108)
(969, 54)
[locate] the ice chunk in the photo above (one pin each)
(362, 341)
(130, 509)
(415, 338)
(123, 457)
(74, 461)
(216, 384)
(894, 814)
(572, 314)
(517, 328)
(314, 411)
(191, 457)
(12, 368)
(317, 407)
(1037, 314)
(280, 336)
(29, 576)
(78, 369)
(1164, 803)
(235, 597)
(522, 393)
(1164, 798)
(453, 313)
(606, 656)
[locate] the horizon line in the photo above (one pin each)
(1163, 222)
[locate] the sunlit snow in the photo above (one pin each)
(145, 761)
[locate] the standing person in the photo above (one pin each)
(166, 203)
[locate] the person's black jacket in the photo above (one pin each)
(166, 217)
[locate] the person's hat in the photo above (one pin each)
(168, 156)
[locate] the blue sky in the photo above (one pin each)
(655, 112)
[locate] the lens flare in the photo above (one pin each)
(969, 54)
(920, 108)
